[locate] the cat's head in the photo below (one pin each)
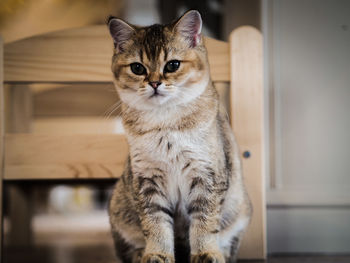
(160, 64)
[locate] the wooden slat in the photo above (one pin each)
(29, 156)
(77, 125)
(2, 132)
(21, 105)
(81, 55)
(63, 171)
(219, 59)
(247, 122)
(20, 206)
(20, 213)
(75, 100)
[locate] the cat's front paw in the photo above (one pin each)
(208, 257)
(137, 255)
(157, 258)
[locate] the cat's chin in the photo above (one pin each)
(157, 100)
(150, 103)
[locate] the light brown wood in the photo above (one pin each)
(19, 196)
(219, 59)
(21, 109)
(34, 156)
(63, 171)
(247, 122)
(82, 55)
(2, 133)
(75, 100)
(78, 125)
(22, 19)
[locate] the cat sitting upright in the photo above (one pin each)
(181, 195)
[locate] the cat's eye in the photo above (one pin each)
(137, 69)
(171, 66)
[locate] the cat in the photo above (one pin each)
(181, 195)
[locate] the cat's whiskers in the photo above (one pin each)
(143, 92)
(107, 114)
(110, 108)
(169, 87)
(134, 103)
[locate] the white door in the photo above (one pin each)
(307, 47)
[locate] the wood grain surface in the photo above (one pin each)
(35, 156)
(82, 55)
(247, 123)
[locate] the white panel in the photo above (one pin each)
(308, 82)
(312, 79)
(311, 197)
(308, 230)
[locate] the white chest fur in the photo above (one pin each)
(175, 153)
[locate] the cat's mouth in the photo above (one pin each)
(156, 94)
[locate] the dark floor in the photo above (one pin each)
(77, 239)
(307, 259)
(104, 254)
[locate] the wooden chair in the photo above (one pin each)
(83, 55)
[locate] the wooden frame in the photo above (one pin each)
(83, 55)
(247, 109)
(2, 140)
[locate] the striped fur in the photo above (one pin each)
(182, 193)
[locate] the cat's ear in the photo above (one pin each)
(189, 26)
(120, 32)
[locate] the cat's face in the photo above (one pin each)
(160, 64)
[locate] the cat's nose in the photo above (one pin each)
(155, 84)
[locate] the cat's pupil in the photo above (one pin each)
(137, 69)
(172, 66)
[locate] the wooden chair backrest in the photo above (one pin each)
(83, 55)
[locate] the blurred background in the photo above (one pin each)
(307, 95)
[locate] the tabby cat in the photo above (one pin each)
(181, 194)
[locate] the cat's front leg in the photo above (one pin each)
(156, 219)
(204, 212)
(204, 240)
